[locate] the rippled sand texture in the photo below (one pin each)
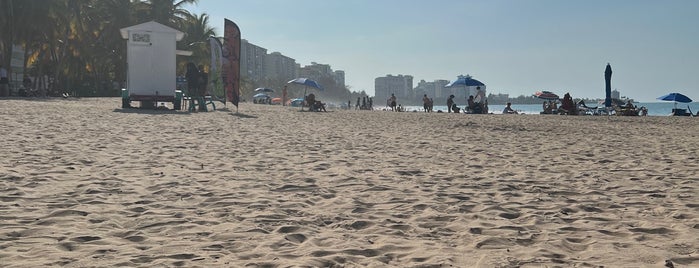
(84, 183)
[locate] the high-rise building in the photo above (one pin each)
(252, 61)
(340, 78)
(316, 71)
(281, 67)
(433, 89)
(401, 86)
(616, 94)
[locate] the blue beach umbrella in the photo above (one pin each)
(465, 81)
(306, 83)
(676, 97)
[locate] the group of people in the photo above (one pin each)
(365, 103)
(474, 104)
(568, 106)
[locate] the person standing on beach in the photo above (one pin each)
(392, 102)
(480, 95)
(426, 103)
(450, 103)
(284, 96)
(356, 106)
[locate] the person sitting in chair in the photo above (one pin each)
(318, 106)
(568, 106)
(313, 104)
(630, 109)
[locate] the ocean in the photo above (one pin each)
(654, 108)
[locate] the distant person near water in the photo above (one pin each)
(392, 102)
(426, 103)
(508, 109)
(450, 104)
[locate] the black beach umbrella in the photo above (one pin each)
(608, 86)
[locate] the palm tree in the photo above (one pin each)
(197, 31)
(77, 42)
(169, 12)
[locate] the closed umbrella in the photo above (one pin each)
(608, 86)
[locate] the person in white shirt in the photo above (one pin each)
(480, 95)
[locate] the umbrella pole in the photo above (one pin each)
(304, 96)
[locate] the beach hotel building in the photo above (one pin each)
(401, 86)
(434, 90)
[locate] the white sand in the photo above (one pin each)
(84, 183)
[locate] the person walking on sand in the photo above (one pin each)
(426, 103)
(392, 102)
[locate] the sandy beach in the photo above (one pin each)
(84, 183)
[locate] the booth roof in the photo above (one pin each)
(151, 26)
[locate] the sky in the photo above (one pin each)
(515, 47)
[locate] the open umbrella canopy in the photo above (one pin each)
(465, 81)
(676, 97)
(546, 95)
(306, 82)
(264, 89)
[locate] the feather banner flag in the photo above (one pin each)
(231, 62)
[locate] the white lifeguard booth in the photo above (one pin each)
(151, 70)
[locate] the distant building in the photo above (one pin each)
(281, 67)
(316, 71)
(433, 89)
(616, 94)
(400, 85)
(258, 66)
(340, 78)
(252, 61)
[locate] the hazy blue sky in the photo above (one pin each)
(513, 46)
